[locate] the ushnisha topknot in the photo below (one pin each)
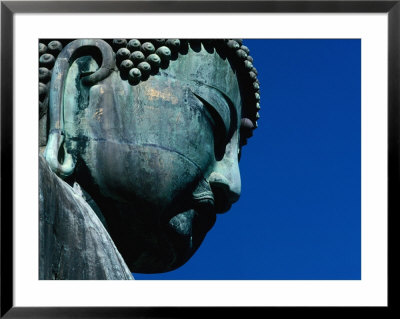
(138, 59)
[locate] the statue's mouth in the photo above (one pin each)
(194, 222)
(200, 213)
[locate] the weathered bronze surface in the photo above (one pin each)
(152, 131)
(73, 243)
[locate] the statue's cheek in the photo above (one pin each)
(143, 175)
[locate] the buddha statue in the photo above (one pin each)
(150, 132)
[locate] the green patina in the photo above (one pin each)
(159, 157)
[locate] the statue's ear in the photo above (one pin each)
(59, 160)
(56, 151)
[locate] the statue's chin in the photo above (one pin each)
(168, 242)
(178, 241)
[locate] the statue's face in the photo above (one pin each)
(160, 158)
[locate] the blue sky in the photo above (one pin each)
(299, 215)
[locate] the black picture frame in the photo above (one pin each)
(9, 8)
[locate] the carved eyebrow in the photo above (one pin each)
(219, 105)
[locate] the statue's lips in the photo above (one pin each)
(183, 223)
(200, 215)
(195, 221)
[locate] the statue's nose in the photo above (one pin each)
(225, 184)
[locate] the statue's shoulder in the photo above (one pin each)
(73, 242)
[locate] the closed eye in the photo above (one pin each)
(219, 127)
(220, 107)
(223, 114)
(219, 122)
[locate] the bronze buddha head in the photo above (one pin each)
(152, 130)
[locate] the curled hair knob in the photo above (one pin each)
(148, 48)
(158, 42)
(42, 48)
(164, 53)
(137, 57)
(248, 65)
(44, 75)
(43, 90)
(173, 44)
(125, 66)
(154, 60)
(241, 54)
(118, 44)
(253, 76)
(122, 54)
(144, 68)
(54, 47)
(47, 60)
(134, 76)
(245, 49)
(134, 45)
(232, 44)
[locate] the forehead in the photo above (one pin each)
(206, 70)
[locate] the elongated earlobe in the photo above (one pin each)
(60, 161)
(53, 152)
